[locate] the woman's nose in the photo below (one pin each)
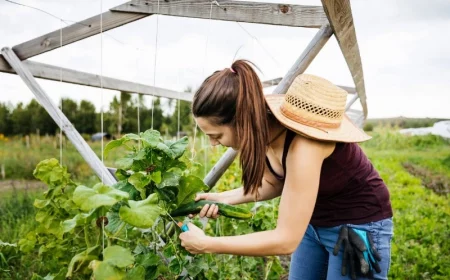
(214, 142)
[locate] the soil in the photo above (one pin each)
(10, 185)
(440, 184)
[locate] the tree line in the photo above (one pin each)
(121, 117)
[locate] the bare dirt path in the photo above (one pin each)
(8, 185)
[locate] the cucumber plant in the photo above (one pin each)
(119, 231)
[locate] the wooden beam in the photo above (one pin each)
(51, 72)
(271, 83)
(305, 58)
(350, 103)
(274, 82)
(299, 67)
(242, 11)
(65, 125)
(74, 33)
(350, 90)
(220, 167)
(339, 15)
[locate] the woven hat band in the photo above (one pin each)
(304, 121)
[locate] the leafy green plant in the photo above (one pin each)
(119, 231)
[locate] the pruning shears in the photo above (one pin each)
(183, 227)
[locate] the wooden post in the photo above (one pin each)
(240, 11)
(3, 171)
(38, 134)
(299, 67)
(350, 103)
(339, 14)
(27, 141)
(58, 116)
(305, 58)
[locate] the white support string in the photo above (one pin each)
(60, 82)
(205, 152)
(178, 104)
(156, 53)
(139, 104)
(101, 104)
(261, 45)
(203, 72)
(205, 57)
(101, 79)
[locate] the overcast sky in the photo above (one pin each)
(404, 46)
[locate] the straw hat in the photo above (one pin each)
(315, 108)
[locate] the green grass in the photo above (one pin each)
(16, 220)
(421, 243)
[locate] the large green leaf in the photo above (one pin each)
(141, 214)
(156, 177)
(51, 172)
(119, 142)
(125, 162)
(49, 222)
(168, 194)
(115, 260)
(166, 150)
(128, 188)
(112, 145)
(78, 220)
(41, 203)
(136, 273)
(177, 147)
(114, 222)
(121, 174)
(82, 259)
(100, 195)
(27, 244)
(103, 270)
(175, 266)
(151, 137)
(118, 256)
(142, 154)
(140, 181)
(189, 187)
(171, 179)
(196, 266)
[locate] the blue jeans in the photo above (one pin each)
(314, 259)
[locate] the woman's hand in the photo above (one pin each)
(194, 241)
(210, 211)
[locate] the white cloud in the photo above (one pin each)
(405, 55)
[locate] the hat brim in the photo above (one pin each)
(347, 132)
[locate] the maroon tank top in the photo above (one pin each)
(350, 190)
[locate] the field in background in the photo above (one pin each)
(416, 170)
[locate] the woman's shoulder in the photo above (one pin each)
(300, 142)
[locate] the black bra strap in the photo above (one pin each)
(289, 137)
(273, 171)
(287, 142)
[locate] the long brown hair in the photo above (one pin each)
(234, 96)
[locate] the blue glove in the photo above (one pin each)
(358, 246)
(365, 250)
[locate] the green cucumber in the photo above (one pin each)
(226, 210)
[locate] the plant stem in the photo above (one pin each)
(268, 268)
(86, 237)
(119, 230)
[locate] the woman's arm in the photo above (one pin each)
(298, 198)
(270, 188)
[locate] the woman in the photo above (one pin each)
(301, 146)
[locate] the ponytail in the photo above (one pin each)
(234, 96)
(251, 126)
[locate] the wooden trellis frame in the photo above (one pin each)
(334, 17)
